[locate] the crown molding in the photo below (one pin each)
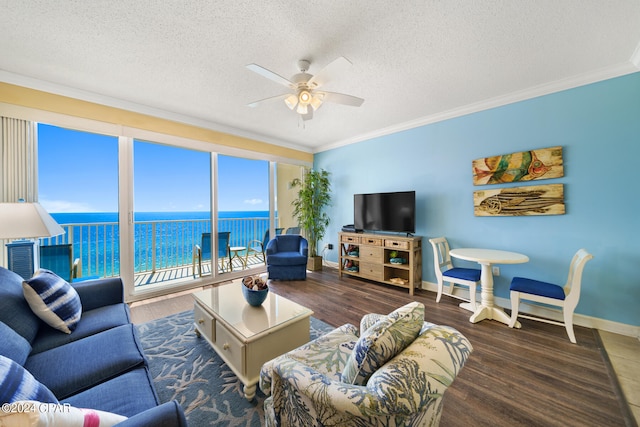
(61, 90)
(523, 95)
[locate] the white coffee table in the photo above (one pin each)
(246, 337)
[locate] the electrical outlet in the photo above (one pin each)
(330, 246)
(495, 271)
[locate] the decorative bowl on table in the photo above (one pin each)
(254, 290)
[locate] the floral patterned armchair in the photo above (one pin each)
(394, 374)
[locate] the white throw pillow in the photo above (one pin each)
(29, 413)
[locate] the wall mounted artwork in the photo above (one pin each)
(544, 163)
(520, 201)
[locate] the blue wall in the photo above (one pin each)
(598, 127)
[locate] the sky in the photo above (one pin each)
(78, 172)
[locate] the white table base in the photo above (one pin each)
(487, 308)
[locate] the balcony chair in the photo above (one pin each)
(566, 297)
(257, 247)
(293, 230)
(446, 272)
(395, 371)
(287, 257)
(203, 252)
(59, 259)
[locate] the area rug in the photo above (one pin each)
(186, 369)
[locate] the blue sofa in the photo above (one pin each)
(99, 366)
(287, 257)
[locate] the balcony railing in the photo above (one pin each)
(158, 245)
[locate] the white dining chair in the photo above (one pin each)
(566, 297)
(446, 272)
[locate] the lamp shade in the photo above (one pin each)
(26, 221)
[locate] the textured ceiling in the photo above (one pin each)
(413, 61)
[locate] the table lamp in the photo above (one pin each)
(25, 221)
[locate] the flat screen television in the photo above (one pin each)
(392, 212)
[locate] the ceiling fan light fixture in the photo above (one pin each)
(291, 101)
(302, 109)
(316, 101)
(304, 97)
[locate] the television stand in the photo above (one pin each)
(393, 260)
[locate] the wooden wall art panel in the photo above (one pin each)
(520, 201)
(544, 163)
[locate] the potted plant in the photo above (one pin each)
(314, 195)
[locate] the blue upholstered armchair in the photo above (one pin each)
(393, 372)
(287, 257)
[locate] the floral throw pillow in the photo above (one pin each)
(382, 341)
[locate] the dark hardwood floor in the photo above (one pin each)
(532, 376)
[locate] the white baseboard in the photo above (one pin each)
(536, 310)
(550, 313)
(331, 264)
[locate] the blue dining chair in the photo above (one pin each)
(566, 297)
(202, 252)
(446, 272)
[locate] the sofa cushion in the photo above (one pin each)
(16, 383)
(14, 310)
(87, 362)
(286, 258)
(53, 300)
(31, 413)
(382, 341)
(127, 394)
(92, 322)
(14, 346)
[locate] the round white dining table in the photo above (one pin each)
(487, 257)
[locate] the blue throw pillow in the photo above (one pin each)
(53, 300)
(16, 384)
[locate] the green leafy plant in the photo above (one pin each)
(314, 194)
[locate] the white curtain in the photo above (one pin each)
(18, 165)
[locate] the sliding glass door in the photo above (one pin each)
(243, 209)
(161, 214)
(172, 214)
(78, 186)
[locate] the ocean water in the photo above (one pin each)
(92, 217)
(161, 239)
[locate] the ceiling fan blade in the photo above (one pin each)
(335, 68)
(270, 75)
(267, 100)
(341, 98)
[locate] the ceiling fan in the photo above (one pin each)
(306, 96)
